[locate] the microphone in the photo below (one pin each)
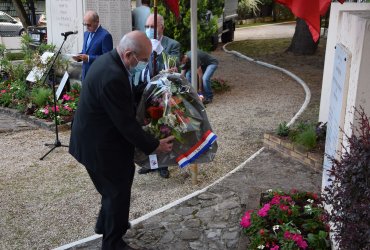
(69, 33)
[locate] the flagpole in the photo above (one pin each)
(155, 10)
(194, 60)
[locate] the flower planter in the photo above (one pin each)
(314, 160)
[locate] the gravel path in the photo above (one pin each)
(48, 203)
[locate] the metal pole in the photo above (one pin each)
(194, 44)
(194, 60)
(155, 37)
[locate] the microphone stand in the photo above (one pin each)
(57, 142)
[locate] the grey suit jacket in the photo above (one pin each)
(170, 47)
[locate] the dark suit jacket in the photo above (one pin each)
(105, 131)
(101, 43)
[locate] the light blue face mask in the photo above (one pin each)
(141, 65)
(150, 33)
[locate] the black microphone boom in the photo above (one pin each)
(69, 33)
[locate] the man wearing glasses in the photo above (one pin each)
(97, 41)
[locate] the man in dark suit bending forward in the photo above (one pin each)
(105, 133)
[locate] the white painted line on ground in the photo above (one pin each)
(293, 76)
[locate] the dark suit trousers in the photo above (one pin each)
(115, 204)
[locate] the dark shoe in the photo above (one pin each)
(98, 230)
(127, 247)
(207, 101)
(164, 173)
(145, 170)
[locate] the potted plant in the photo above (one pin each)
(291, 220)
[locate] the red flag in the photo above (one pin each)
(309, 11)
(173, 5)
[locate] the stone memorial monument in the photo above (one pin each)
(346, 80)
(67, 15)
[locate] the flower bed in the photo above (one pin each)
(282, 145)
(287, 221)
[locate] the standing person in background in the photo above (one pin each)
(97, 41)
(139, 15)
(162, 44)
(206, 67)
(105, 133)
(169, 46)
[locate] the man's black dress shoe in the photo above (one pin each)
(163, 172)
(145, 170)
(99, 230)
(207, 101)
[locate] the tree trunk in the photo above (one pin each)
(302, 42)
(19, 8)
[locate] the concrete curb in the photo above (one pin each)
(293, 76)
(32, 119)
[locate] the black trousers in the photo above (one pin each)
(115, 204)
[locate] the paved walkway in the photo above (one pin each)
(270, 31)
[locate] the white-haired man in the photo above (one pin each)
(105, 133)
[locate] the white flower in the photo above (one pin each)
(270, 190)
(276, 227)
(310, 201)
(308, 209)
(261, 247)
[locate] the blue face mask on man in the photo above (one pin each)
(150, 33)
(139, 66)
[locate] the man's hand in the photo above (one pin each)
(77, 58)
(173, 70)
(165, 145)
(81, 57)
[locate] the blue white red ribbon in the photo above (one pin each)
(194, 152)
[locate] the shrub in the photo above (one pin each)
(283, 129)
(219, 85)
(307, 138)
(348, 194)
(247, 8)
(41, 96)
(180, 30)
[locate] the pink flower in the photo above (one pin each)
(275, 200)
(52, 108)
(66, 107)
(284, 207)
(300, 241)
(246, 220)
(264, 210)
(286, 198)
(66, 97)
(46, 110)
(275, 248)
(3, 91)
(288, 235)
